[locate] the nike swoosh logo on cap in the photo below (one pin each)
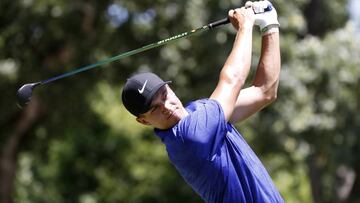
(143, 88)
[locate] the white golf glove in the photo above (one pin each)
(266, 15)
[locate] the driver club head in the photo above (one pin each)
(24, 93)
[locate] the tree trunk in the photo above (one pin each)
(315, 178)
(8, 155)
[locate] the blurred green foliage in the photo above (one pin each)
(76, 143)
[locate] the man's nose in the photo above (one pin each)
(166, 106)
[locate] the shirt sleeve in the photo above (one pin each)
(204, 129)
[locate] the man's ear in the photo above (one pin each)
(142, 121)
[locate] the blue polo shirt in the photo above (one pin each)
(214, 159)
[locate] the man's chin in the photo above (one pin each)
(170, 125)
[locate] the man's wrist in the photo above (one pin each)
(246, 27)
(270, 29)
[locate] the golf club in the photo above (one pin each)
(25, 92)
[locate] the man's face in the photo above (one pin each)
(166, 110)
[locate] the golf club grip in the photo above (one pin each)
(218, 23)
(227, 20)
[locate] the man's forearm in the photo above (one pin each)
(236, 68)
(268, 71)
(239, 61)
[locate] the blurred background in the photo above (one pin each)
(76, 143)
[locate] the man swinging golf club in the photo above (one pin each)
(208, 152)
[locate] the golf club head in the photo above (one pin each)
(24, 93)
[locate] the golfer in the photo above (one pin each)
(201, 141)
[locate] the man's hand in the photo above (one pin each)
(242, 17)
(264, 19)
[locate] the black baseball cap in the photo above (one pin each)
(139, 91)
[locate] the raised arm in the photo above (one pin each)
(236, 68)
(265, 85)
(264, 88)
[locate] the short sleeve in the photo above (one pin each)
(203, 131)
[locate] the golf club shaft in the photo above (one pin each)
(135, 51)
